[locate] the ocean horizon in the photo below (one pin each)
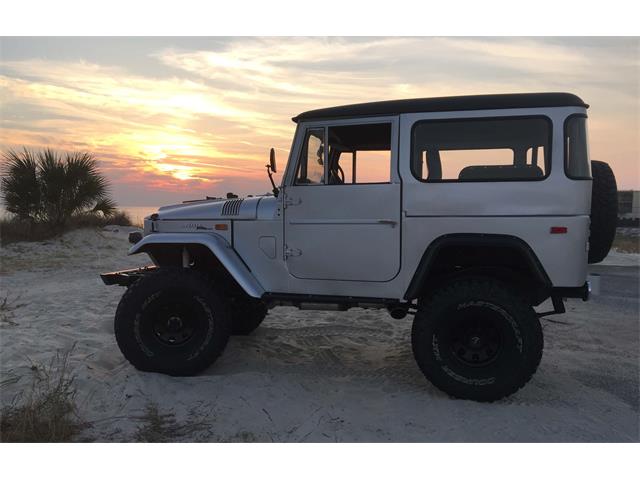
(137, 213)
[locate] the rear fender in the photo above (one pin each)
(218, 246)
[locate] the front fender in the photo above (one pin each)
(217, 245)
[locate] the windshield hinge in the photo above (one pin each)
(290, 202)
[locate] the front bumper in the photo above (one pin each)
(125, 278)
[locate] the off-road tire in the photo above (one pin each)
(144, 328)
(436, 331)
(604, 211)
(246, 315)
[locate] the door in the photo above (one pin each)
(342, 205)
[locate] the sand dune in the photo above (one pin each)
(304, 376)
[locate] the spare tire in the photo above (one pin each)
(604, 211)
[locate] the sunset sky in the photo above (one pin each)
(180, 118)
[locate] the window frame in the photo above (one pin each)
(289, 177)
(355, 157)
(548, 163)
(565, 144)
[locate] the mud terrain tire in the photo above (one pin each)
(172, 321)
(477, 339)
(604, 211)
(246, 315)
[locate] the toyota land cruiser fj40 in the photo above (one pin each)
(466, 212)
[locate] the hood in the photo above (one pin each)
(223, 209)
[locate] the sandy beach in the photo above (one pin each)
(309, 376)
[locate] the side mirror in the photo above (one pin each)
(271, 168)
(272, 160)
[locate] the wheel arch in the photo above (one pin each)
(478, 252)
(167, 248)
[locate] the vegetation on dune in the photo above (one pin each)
(48, 193)
(45, 412)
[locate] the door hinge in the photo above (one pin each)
(291, 252)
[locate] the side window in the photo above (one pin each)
(576, 148)
(311, 164)
(360, 154)
(481, 149)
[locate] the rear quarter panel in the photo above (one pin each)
(524, 209)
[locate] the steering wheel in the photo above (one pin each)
(337, 177)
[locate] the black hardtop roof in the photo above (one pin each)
(446, 104)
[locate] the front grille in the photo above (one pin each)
(231, 207)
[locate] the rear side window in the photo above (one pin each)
(576, 148)
(484, 149)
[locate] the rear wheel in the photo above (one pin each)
(477, 339)
(173, 322)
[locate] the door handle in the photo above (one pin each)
(393, 223)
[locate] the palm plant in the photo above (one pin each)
(48, 187)
(20, 185)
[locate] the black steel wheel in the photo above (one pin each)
(475, 337)
(173, 321)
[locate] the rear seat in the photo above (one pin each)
(500, 172)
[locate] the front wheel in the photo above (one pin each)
(172, 321)
(246, 315)
(477, 339)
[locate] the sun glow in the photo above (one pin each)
(180, 172)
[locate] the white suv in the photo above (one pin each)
(465, 211)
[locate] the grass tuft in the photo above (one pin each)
(7, 307)
(159, 427)
(47, 411)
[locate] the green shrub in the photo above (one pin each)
(47, 194)
(46, 187)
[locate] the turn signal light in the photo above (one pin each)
(558, 230)
(221, 226)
